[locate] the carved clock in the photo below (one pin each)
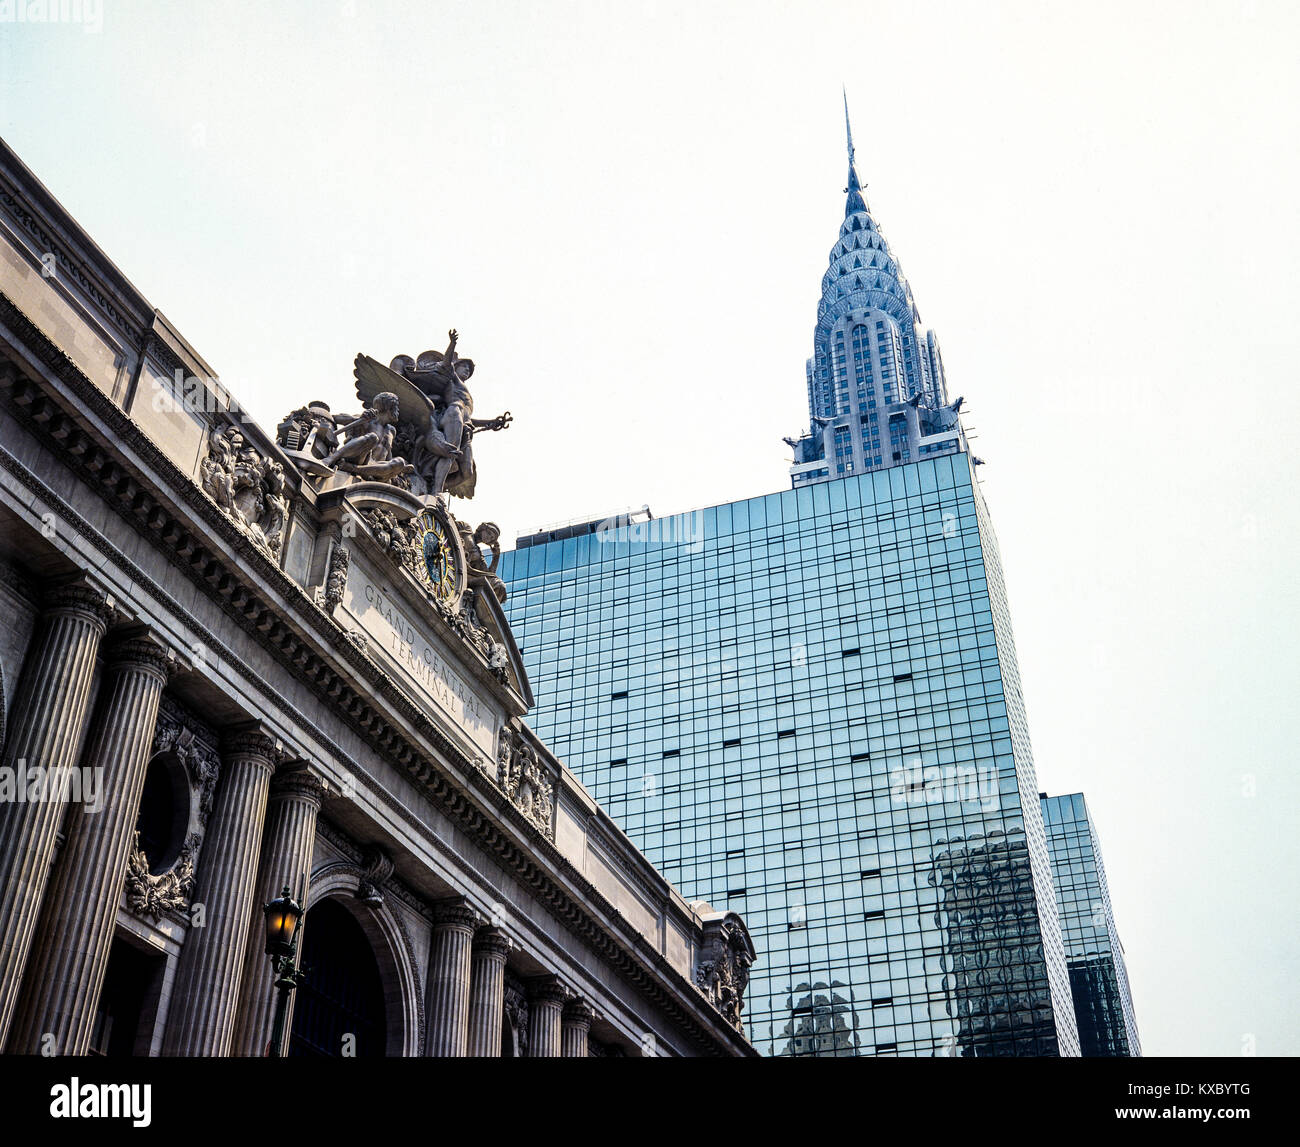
(442, 566)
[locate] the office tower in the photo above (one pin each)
(1103, 1004)
(806, 706)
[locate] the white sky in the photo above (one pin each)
(627, 209)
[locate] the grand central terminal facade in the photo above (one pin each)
(238, 661)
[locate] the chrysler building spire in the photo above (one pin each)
(877, 396)
(856, 201)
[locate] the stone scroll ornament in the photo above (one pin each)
(415, 430)
(249, 487)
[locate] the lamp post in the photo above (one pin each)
(282, 917)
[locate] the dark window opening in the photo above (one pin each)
(340, 1002)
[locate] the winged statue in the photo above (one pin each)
(436, 424)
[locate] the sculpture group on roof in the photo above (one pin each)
(415, 429)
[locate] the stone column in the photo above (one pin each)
(49, 711)
(449, 978)
(65, 971)
(575, 1026)
(487, 992)
(201, 1016)
(288, 846)
(547, 1001)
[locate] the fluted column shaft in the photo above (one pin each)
(487, 992)
(449, 979)
(547, 1001)
(575, 1027)
(65, 971)
(201, 1018)
(288, 845)
(49, 711)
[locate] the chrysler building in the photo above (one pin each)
(877, 396)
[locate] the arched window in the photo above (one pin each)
(339, 1005)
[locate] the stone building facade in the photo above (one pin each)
(235, 661)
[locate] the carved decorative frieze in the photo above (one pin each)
(250, 488)
(378, 868)
(516, 1007)
(525, 782)
(722, 972)
(336, 580)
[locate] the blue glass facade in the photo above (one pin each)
(806, 707)
(1103, 1004)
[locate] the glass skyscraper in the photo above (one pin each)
(806, 707)
(1103, 1005)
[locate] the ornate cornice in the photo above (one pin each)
(12, 200)
(312, 647)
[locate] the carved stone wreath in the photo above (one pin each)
(150, 895)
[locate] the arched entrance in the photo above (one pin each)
(339, 1005)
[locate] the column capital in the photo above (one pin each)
(547, 990)
(250, 740)
(578, 1013)
(297, 779)
(492, 943)
(139, 649)
(82, 596)
(455, 913)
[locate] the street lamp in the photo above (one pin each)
(282, 917)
